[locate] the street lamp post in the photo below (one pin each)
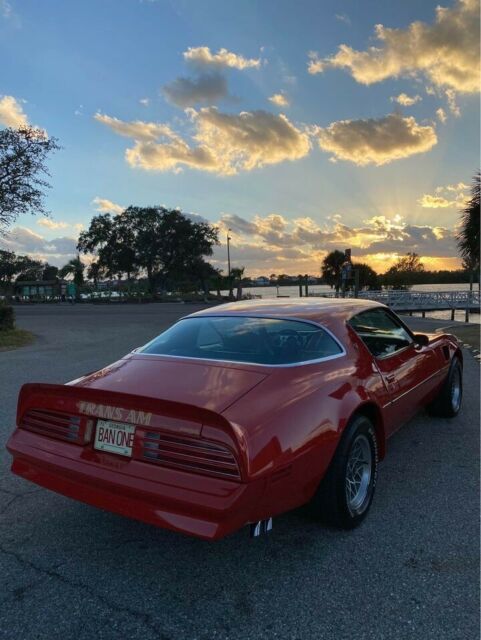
(228, 263)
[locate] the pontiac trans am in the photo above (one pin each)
(238, 413)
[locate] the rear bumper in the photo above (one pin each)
(205, 507)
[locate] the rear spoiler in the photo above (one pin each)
(110, 405)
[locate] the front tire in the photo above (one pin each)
(448, 401)
(346, 492)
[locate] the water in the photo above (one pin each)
(293, 292)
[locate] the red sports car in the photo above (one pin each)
(238, 413)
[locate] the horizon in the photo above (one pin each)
(301, 128)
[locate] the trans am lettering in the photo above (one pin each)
(114, 413)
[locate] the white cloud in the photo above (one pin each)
(406, 101)
(343, 17)
(187, 92)
(450, 195)
(24, 241)
(376, 141)
(452, 104)
(138, 129)
(279, 99)
(6, 9)
(107, 206)
(221, 143)
(51, 224)
(441, 115)
(445, 52)
(11, 112)
(202, 56)
(144, 102)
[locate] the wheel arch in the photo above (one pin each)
(371, 411)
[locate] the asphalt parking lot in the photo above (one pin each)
(68, 570)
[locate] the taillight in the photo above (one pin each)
(54, 424)
(189, 454)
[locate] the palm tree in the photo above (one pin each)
(468, 236)
(74, 267)
(236, 274)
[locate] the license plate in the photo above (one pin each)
(115, 437)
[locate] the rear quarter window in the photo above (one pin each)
(267, 341)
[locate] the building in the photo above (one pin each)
(40, 290)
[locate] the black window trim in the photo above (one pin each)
(396, 320)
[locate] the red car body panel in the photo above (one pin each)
(244, 442)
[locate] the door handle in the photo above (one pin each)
(391, 378)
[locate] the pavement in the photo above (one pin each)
(70, 571)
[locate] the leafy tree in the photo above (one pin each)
(75, 268)
(331, 268)
(469, 237)
(95, 272)
(23, 153)
(29, 269)
(50, 272)
(368, 278)
(162, 243)
(8, 266)
(408, 270)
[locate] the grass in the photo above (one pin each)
(14, 338)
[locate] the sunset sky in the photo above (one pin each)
(304, 126)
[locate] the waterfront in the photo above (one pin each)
(292, 291)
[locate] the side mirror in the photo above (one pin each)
(421, 340)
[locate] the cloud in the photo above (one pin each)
(279, 99)
(144, 102)
(343, 17)
(187, 92)
(376, 141)
(221, 143)
(203, 57)
(451, 195)
(6, 9)
(275, 243)
(441, 115)
(445, 52)
(138, 129)
(24, 241)
(406, 101)
(434, 202)
(51, 224)
(107, 206)
(11, 112)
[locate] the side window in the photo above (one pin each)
(380, 332)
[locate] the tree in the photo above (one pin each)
(368, 278)
(50, 272)
(405, 272)
(163, 243)
(331, 268)
(469, 237)
(74, 267)
(236, 274)
(29, 269)
(23, 153)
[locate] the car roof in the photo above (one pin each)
(322, 310)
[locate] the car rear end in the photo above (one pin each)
(167, 463)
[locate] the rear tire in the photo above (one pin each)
(346, 492)
(448, 401)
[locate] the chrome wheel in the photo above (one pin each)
(358, 475)
(456, 390)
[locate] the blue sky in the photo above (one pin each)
(337, 161)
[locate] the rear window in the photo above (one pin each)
(242, 339)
